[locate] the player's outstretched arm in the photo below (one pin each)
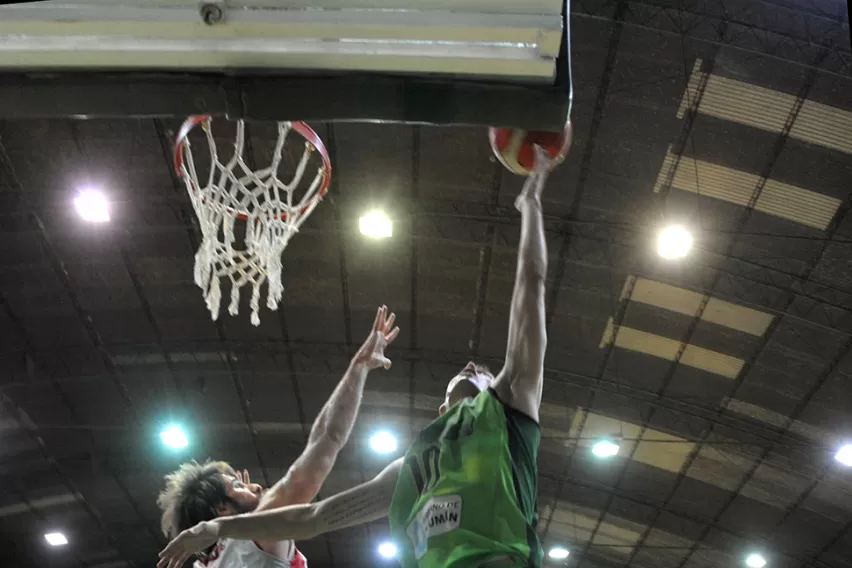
(334, 423)
(363, 504)
(519, 384)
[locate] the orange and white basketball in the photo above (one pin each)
(516, 148)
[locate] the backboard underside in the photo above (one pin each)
(494, 62)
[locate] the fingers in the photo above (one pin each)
(392, 335)
(380, 318)
(180, 561)
(176, 561)
(171, 559)
(168, 555)
(389, 322)
(544, 162)
(246, 479)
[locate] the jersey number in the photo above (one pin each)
(425, 468)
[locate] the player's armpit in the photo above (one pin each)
(362, 504)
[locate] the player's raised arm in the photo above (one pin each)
(334, 423)
(519, 384)
(367, 502)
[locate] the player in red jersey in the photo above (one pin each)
(203, 491)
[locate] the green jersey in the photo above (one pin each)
(467, 494)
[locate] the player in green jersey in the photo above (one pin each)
(464, 495)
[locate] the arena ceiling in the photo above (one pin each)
(726, 375)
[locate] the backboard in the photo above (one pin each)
(487, 62)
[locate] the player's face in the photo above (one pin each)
(246, 496)
(467, 384)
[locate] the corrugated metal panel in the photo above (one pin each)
(712, 361)
(777, 419)
(42, 503)
(656, 448)
(618, 534)
(721, 465)
(824, 125)
(576, 523)
(743, 319)
(741, 102)
(663, 450)
(768, 109)
(573, 522)
(734, 186)
(666, 348)
(687, 302)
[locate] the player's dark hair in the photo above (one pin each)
(193, 494)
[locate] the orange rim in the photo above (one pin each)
(300, 128)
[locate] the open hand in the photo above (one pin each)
(188, 543)
(372, 353)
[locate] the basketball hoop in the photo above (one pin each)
(233, 190)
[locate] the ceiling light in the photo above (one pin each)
(387, 550)
(56, 539)
(844, 455)
(92, 206)
(376, 224)
(674, 242)
(558, 553)
(755, 561)
(174, 437)
(383, 443)
(605, 449)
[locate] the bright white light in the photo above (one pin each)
(174, 437)
(605, 449)
(558, 553)
(376, 224)
(92, 206)
(387, 550)
(56, 539)
(755, 561)
(844, 455)
(674, 242)
(383, 443)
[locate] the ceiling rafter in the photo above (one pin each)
(324, 351)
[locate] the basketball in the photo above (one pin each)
(516, 148)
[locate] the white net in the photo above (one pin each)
(232, 191)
